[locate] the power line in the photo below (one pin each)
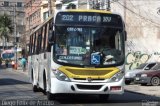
(144, 18)
(148, 3)
(141, 9)
(132, 47)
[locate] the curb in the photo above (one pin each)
(141, 93)
(20, 71)
(16, 71)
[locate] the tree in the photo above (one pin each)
(6, 27)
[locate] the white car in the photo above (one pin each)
(130, 75)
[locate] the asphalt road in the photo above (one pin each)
(15, 86)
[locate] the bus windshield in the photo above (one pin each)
(88, 46)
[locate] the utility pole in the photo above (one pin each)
(49, 7)
(108, 5)
(15, 32)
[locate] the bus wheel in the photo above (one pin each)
(35, 88)
(44, 84)
(104, 97)
(50, 96)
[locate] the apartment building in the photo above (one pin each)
(36, 12)
(15, 9)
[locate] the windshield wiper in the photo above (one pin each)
(64, 61)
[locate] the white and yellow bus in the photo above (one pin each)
(78, 52)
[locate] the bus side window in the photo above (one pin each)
(44, 39)
(42, 44)
(50, 36)
(34, 45)
(36, 41)
(39, 40)
(30, 45)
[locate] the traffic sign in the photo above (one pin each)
(95, 59)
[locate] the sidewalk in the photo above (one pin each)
(147, 90)
(19, 70)
(9, 68)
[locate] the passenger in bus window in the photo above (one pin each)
(61, 50)
(64, 50)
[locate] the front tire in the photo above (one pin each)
(44, 84)
(35, 88)
(155, 81)
(50, 96)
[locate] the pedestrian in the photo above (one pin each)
(13, 63)
(23, 63)
(7, 62)
(0, 61)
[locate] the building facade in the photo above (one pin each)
(36, 12)
(143, 30)
(15, 9)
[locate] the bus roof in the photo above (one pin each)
(82, 10)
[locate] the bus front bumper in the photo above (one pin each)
(58, 86)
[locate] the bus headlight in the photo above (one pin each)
(60, 75)
(117, 77)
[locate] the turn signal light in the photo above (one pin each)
(114, 88)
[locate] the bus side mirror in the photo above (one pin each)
(125, 35)
(51, 37)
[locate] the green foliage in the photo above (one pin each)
(6, 27)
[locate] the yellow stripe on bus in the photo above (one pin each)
(94, 73)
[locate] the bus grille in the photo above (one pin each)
(85, 79)
(89, 87)
(89, 72)
(93, 73)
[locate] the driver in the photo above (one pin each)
(109, 59)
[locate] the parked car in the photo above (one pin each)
(151, 77)
(130, 75)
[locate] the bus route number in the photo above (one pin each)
(67, 17)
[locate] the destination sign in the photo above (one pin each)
(88, 18)
(70, 57)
